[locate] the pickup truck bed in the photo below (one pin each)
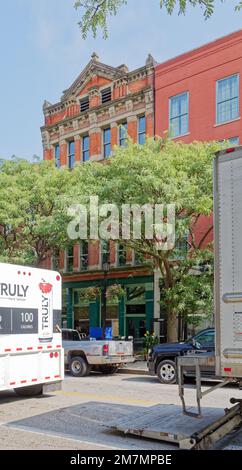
(84, 355)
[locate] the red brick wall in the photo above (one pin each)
(197, 72)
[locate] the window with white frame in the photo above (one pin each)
(230, 140)
(69, 259)
(85, 148)
(141, 130)
(121, 251)
(71, 154)
(84, 256)
(107, 142)
(227, 99)
(57, 156)
(123, 128)
(105, 252)
(179, 114)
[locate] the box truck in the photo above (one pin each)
(31, 354)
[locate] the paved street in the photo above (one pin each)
(77, 417)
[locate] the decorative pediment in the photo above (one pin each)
(95, 74)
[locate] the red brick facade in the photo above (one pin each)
(195, 73)
(131, 97)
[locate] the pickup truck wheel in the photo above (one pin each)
(108, 369)
(166, 372)
(79, 367)
(31, 391)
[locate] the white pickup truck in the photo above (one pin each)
(83, 355)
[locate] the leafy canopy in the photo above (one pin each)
(96, 12)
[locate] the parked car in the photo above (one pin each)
(162, 357)
(83, 354)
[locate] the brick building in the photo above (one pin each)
(195, 96)
(94, 114)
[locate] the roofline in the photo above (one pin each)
(199, 50)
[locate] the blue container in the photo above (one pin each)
(96, 332)
(109, 333)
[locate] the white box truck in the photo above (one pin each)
(31, 354)
(228, 261)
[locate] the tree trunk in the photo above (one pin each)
(172, 327)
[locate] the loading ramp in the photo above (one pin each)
(169, 424)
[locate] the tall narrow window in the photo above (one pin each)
(123, 134)
(85, 148)
(141, 130)
(227, 99)
(105, 252)
(107, 142)
(121, 255)
(84, 258)
(69, 259)
(84, 104)
(179, 115)
(71, 154)
(106, 95)
(57, 156)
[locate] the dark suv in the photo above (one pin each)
(162, 357)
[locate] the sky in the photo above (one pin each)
(42, 52)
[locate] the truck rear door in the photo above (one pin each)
(228, 261)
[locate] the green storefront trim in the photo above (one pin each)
(95, 306)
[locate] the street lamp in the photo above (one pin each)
(106, 268)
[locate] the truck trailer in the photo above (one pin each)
(186, 426)
(31, 354)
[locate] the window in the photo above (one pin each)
(106, 95)
(71, 154)
(84, 104)
(232, 141)
(179, 115)
(206, 338)
(141, 130)
(227, 99)
(138, 259)
(84, 258)
(107, 142)
(105, 252)
(69, 259)
(121, 255)
(123, 134)
(57, 156)
(85, 148)
(56, 260)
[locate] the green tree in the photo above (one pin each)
(96, 12)
(165, 173)
(33, 214)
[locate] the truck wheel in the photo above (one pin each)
(166, 372)
(31, 391)
(108, 369)
(79, 367)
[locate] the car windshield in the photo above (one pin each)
(205, 338)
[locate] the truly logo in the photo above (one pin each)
(13, 290)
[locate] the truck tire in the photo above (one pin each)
(31, 391)
(108, 370)
(166, 372)
(79, 367)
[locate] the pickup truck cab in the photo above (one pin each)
(162, 357)
(83, 354)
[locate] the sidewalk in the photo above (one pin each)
(137, 367)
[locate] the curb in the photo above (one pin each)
(134, 371)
